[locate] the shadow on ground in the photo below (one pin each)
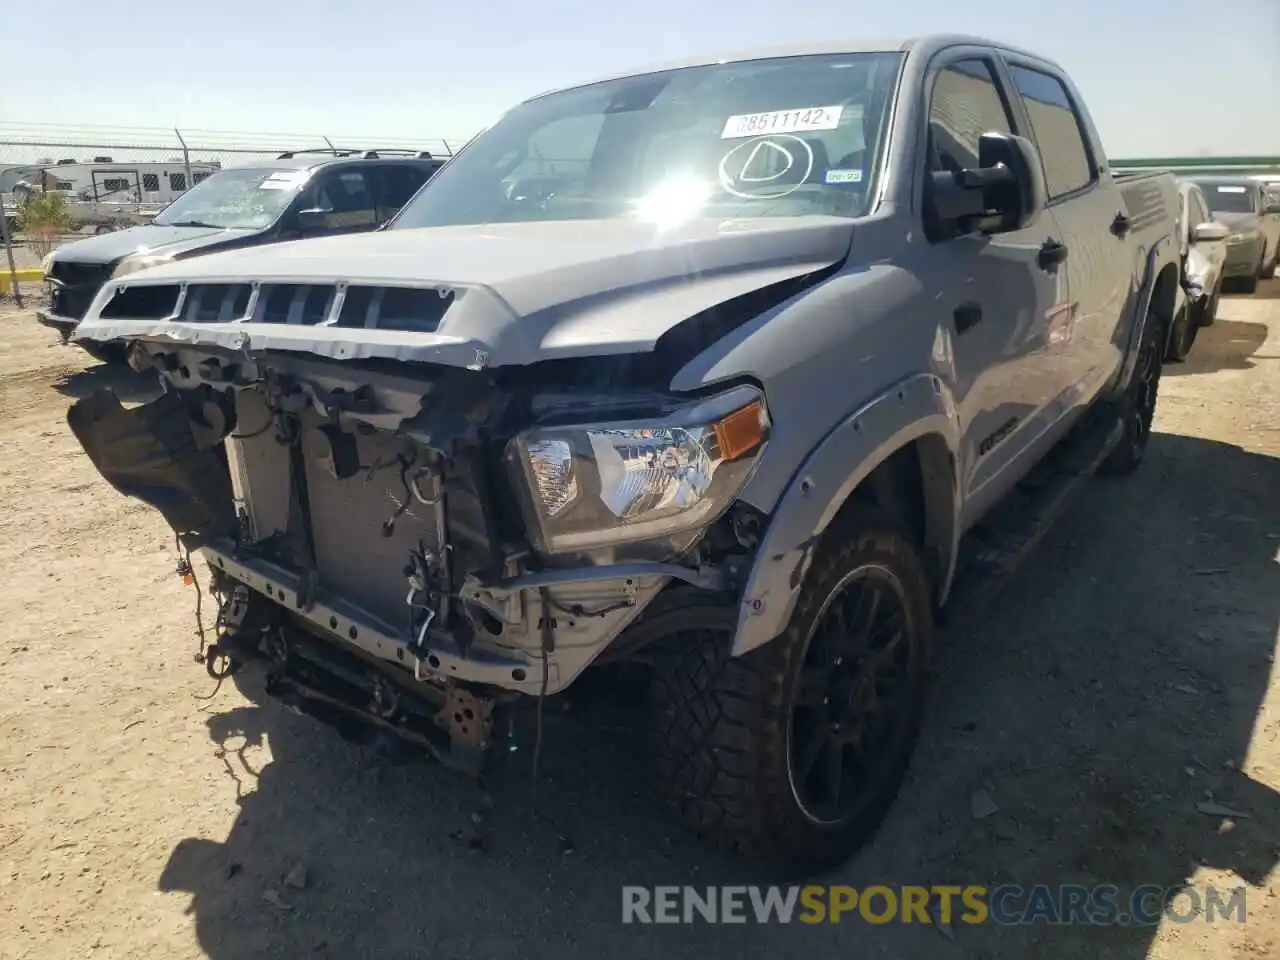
(1227, 345)
(1267, 290)
(1112, 689)
(120, 378)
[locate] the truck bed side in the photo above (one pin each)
(1151, 200)
(1154, 208)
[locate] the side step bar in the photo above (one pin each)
(993, 550)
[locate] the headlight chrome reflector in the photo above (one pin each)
(135, 262)
(551, 466)
(600, 485)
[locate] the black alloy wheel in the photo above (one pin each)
(850, 704)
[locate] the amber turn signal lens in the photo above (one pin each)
(740, 432)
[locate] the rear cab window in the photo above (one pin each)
(1058, 131)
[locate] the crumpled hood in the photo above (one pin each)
(110, 247)
(521, 292)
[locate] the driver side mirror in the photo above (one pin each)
(1210, 232)
(312, 219)
(1006, 192)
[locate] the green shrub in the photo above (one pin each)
(44, 219)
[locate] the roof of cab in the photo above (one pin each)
(925, 44)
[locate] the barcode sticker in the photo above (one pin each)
(781, 121)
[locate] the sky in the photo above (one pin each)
(1161, 77)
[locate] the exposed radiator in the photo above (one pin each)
(355, 557)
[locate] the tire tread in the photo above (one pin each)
(721, 721)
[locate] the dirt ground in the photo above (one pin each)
(1124, 677)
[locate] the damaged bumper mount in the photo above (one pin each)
(442, 660)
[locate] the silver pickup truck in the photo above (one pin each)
(750, 368)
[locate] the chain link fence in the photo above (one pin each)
(38, 144)
(115, 177)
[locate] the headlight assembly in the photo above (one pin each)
(599, 485)
(135, 262)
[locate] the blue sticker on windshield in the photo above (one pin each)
(843, 176)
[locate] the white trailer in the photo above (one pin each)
(146, 182)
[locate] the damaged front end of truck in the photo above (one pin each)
(404, 545)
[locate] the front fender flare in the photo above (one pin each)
(918, 406)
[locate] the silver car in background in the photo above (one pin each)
(1203, 251)
(1254, 242)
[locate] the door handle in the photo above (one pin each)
(966, 315)
(1051, 254)
(1121, 224)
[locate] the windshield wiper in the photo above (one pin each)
(191, 223)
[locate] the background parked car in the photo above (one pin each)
(1204, 253)
(304, 193)
(1254, 242)
(1271, 191)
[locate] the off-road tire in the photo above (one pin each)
(1210, 312)
(1250, 284)
(1185, 328)
(1136, 406)
(723, 723)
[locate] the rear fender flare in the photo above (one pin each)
(917, 407)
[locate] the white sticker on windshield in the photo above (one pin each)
(781, 121)
(843, 176)
(283, 180)
(1232, 189)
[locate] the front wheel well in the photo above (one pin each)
(915, 486)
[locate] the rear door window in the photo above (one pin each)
(1059, 133)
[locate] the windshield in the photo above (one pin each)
(1230, 198)
(780, 137)
(244, 199)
